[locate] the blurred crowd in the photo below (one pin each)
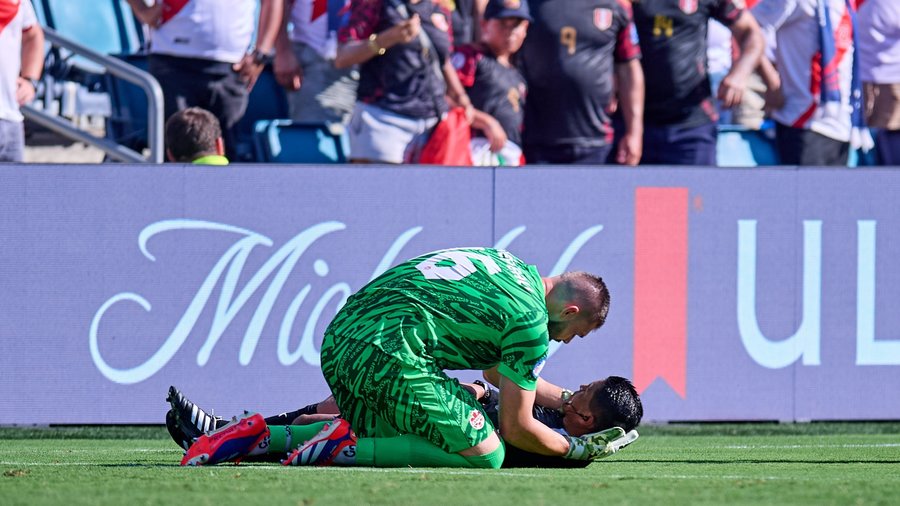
(622, 82)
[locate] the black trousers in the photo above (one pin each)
(798, 146)
(195, 82)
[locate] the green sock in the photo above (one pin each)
(284, 438)
(411, 450)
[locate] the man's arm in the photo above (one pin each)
(630, 80)
(518, 426)
(546, 394)
(751, 43)
(360, 51)
(456, 92)
(270, 14)
(32, 63)
(287, 69)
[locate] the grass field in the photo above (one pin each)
(723, 464)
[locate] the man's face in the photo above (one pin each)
(505, 35)
(566, 330)
(577, 417)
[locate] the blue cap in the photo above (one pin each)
(497, 9)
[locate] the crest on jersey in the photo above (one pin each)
(688, 6)
(440, 22)
(476, 419)
(603, 18)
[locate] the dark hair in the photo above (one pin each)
(192, 133)
(595, 292)
(617, 404)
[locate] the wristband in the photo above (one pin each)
(261, 58)
(565, 396)
(373, 45)
(487, 391)
(34, 82)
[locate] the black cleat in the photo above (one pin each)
(190, 420)
(175, 431)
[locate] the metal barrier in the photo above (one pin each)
(121, 70)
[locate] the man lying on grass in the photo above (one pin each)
(603, 405)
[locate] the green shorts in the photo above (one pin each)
(384, 395)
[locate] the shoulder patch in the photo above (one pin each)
(538, 367)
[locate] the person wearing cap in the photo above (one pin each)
(572, 56)
(494, 84)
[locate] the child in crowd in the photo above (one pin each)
(494, 85)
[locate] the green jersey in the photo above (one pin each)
(466, 308)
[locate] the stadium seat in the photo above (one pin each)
(127, 123)
(106, 26)
(738, 146)
(283, 141)
(267, 101)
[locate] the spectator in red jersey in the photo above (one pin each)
(679, 115)
(879, 51)
(22, 51)
(572, 55)
(494, 84)
(200, 53)
(318, 92)
(811, 101)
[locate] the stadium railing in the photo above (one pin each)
(145, 81)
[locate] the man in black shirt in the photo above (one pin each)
(574, 52)
(679, 116)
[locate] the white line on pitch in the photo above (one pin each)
(779, 447)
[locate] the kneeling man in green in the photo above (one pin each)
(385, 353)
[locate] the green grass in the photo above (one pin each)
(724, 464)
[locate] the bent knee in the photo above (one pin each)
(492, 460)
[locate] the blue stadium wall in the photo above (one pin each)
(737, 294)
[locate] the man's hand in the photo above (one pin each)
(731, 90)
(600, 444)
(25, 91)
(249, 70)
(630, 149)
(287, 70)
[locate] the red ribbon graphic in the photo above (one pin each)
(660, 287)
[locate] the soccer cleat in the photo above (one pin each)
(231, 442)
(330, 443)
(174, 428)
(190, 420)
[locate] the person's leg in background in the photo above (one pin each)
(676, 145)
(327, 94)
(12, 141)
(797, 146)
